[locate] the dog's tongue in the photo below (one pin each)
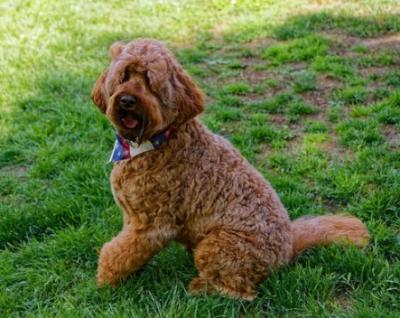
(129, 121)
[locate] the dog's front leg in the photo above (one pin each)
(128, 251)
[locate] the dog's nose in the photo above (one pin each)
(127, 102)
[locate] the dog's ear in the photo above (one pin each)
(174, 86)
(97, 93)
(116, 49)
(98, 89)
(187, 95)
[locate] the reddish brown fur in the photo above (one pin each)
(324, 230)
(196, 188)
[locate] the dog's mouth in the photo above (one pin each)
(133, 125)
(129, 120)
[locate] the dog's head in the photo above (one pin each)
(145, 90)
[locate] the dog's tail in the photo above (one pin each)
(312, 231)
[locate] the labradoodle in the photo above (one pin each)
(175, 180)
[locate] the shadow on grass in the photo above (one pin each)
(363, 27)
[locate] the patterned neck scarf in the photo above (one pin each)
(125, 149)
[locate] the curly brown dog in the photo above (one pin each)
(195, 187)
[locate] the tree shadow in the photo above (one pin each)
(363, 27)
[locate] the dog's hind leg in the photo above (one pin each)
(127, 252)
(229, 262)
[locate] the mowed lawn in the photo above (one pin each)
(309, 91)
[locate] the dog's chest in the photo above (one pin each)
(145, 190)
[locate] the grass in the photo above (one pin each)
(237, 88)
(334, 65)
(304, 82)
(299, 89)
(302, 49)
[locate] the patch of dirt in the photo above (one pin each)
(320, 97)
(14, 171)
(259, 43)
(342, 301)
(247, 73)
(387, 41)
(332, 206)
(17, 172)
(335, 150)
(328, 82)
(297, 66)
(344, 42)
(392, 135)
(263, 154)
(374, 70)
(209, 100)
(317, 98)
(342, 38)
(252, 75)
(278, 119)
(330, 146)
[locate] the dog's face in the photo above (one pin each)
(145, 90)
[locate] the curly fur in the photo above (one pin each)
(196, 189)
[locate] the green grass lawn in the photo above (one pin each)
(309, 91)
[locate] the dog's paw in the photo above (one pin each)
(104, 279)
(199, 286)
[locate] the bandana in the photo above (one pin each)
(125, 149)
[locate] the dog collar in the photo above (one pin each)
(125, 149)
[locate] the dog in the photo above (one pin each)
(175, 180)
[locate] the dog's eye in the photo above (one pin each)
(125, 76)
